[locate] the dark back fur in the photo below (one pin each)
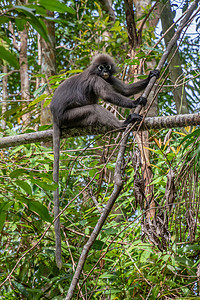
(78, 90)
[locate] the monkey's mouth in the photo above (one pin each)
(105, 75)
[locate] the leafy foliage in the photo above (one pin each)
(120, 265)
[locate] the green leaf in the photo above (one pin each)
(40, 209)
(92, 172)
(38, 99)
(25, 186)
(155, 291)
(140, 55)
(145, 255)
(4, 206)
(16, 173)
(4, 20)
(23, 9)
(2, 75)
(19, 287)
(37, 24)
(166, 257)
(20, 23)
(107, 275)
(46, 103)
(9, 57)
(110, 231)
(99, 245)
(157, 180)
(74, 71)
(55, 5)
(113, 291)
(40, 91)
(171, 268)
(2, 219)
(45, 186)
(190, 138)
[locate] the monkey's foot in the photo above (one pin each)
(133, 118)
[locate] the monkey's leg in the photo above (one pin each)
(89, 115)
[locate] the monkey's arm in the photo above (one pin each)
(105, 91)
(133, 88)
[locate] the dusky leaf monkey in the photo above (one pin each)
(75, 104)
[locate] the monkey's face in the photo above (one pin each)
(104, 70)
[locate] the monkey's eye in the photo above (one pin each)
(109, 67)
(101, 67)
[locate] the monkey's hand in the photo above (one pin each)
(155, 72)
(142, 101)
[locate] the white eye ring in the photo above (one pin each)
(109, 67)
(100, 67)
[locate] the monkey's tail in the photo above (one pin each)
(56, 149)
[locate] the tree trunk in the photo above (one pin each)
(48, 65)
(135, 40)
(5, 95)
(25, 86)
